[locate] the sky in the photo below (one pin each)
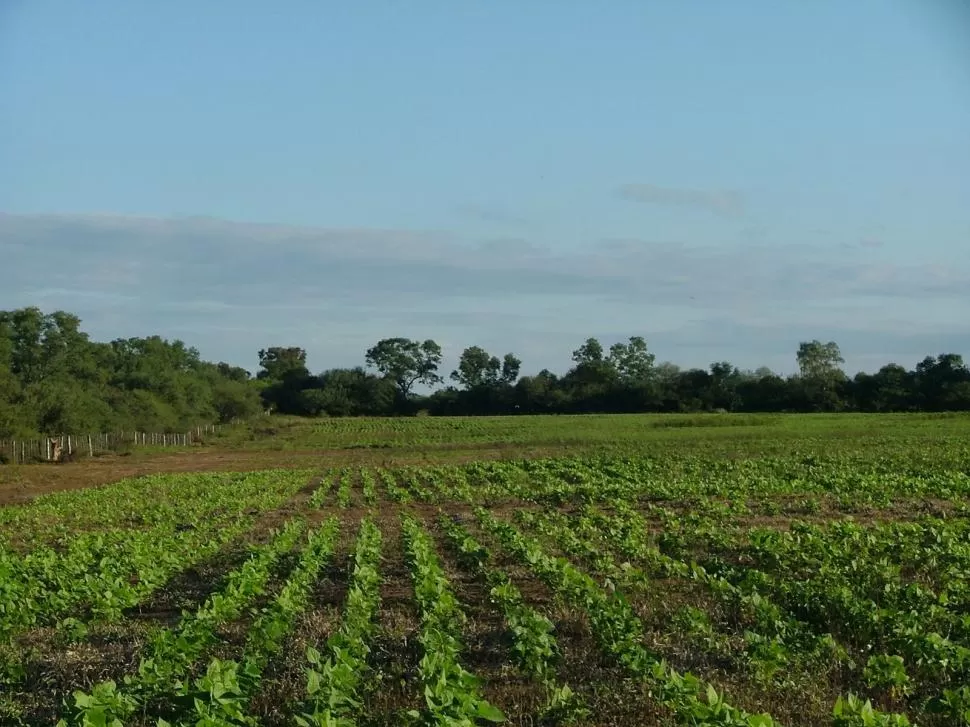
(724, 179)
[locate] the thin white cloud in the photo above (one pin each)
(492, 214)
(726, 202)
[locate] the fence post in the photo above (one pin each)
(50, 447)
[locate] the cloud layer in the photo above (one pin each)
(231, 288)
(724, 202)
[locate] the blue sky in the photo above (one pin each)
(725, 179)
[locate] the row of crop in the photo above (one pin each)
(103, 573)
(867, 602)
(389, 483)
(165, 666)
(345, 485)
(142, 503)
(885, 556)
(334, 680)
(322, 491)
(534, 645)
(368, 487)
(220, 697)
(774, 640)
(773, 636)
(618, 632)
(110, 570)
(344, 480)
(913, 566)
(893, 610)
(452, 695)
(683, 479)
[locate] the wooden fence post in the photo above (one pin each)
(54, 448)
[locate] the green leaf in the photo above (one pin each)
(489, 712)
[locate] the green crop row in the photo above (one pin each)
(163, 669)
(452, 695)
(333, 696)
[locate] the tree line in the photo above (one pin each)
(54, 379)
(624, 379)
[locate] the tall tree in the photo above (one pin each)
(511, 365)
(477, 368)
(284, 374)
(632, 361)
(406, 362)
(821, 384)
(817, 360)
(723, 384)
(590, 352)
(278, 363)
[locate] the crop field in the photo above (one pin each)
(440, 436)
(776, 571)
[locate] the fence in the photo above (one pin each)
(53, 449)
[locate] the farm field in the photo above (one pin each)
(711, 570)
(292, 442)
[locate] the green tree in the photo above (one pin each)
(590, 352)
(10, 417)
(723, 386)
(592, 382)
(406, 362)
(24, 330)
(539, 394)
(820, 361)
(892, 388)
(285, 375)
(54, 380)
(477, 368)
(511, 365)
(632, 361)
(821, 382)
(354, 392)
(234, 394)
(279, 363)
(52, 370)
(943, 383)
(693, 391)
(232, 373)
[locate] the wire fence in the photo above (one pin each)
(69, 446)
